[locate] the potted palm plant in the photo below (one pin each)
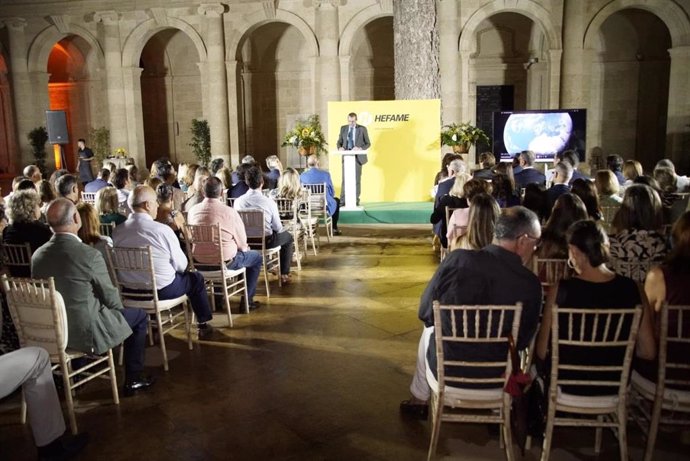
(461, 136)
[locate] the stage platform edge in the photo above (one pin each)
(389, 213)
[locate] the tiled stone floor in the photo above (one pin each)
(316, 374)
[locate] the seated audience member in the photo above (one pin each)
(24, 213)
(457, 223)
(573, 158)
(168, 215)
(442, 175)
(47, 194)
(196, 193)
(121, 183)
(594, 286)
(668, 283)
(471, 277)
(238, 174)
(30, 368)
(216, 165)
(170, 263)
(315, 175)
(96, 319)
(607, 188)
(637, 229)
(159, 166)
(517, 168)
(275, 167)
(567, 210)
(26, 184)
(225, 176)
(188, 176)
(455, 168)
(103, 180)
(276, 236)
(528, 174)
(484, 211)
(503, 185)
(537, 200)
(153, 182)
(57, 174)
(682, 182)
(487, 162)
(108, 207)
(239, 187)
(134, 178)
(15, 184)
(110, 166)
(33, 173)
(169, 177)
(563, 173)
(68, 187)
(631, 170)
(90, 230)
(290, 185)
(213, 210)
(615, 164)
(587, 192)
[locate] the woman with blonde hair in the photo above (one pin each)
(24, 213)
(107, 206)
(631, 170)
(484, 212)
(607, 188)
(455, 198)
(225, 176)
(289, 185)
(90, 230)
(186, 173)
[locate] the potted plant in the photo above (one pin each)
(201, 141)
(306, 136)
(38, 138)
(460, 136)
(100, 143)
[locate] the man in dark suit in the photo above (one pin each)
(528, 174)
(95, 315)
(353, 137)
(563, 172)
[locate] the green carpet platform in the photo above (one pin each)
(389, 213)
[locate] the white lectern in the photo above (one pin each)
(350, 178)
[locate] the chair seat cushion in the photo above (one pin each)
(672, 397)
(586, 401)
(453, 396)
(219, 274)
(148, 305)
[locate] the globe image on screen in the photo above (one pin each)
(545, 133)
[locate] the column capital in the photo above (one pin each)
(386, 6)
(319, 3)
(270, 7)
(160, 15)
(13, 23)
(107, 17)
(211, 10)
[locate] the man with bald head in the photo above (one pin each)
(96, 319)
(169, 261)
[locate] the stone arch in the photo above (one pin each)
(43, 44)
(527, 8)
(141, 34)
(670, 13)
(355, 24)
(259, 19)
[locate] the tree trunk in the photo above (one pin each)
(415, 28)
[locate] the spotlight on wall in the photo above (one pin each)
(531, 62)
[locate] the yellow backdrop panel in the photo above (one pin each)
(405, 147)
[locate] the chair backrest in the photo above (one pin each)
(205, 239)
(449, 212)
(477, 327)
(551, 270)
(17, 258)
(317, 198)
(132, 269)
(592, 348)
(38, 313)
(230, 201)
(674, 342)
(287, 208)
(636, 270)
(607, 214)
(89, 197)
(107, 229)
(253, 220)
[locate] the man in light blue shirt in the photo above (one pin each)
(273, 227)
(169, 261)
(315, 175)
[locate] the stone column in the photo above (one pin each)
(234, 116)
(555, 56)
(215, 79)
(576, 63)
(133, 110)
(328, 64)
(449, 33)
(346, 94)
(114, 79)
(678, 123)
(22, 93)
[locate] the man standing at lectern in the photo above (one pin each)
(353, 137)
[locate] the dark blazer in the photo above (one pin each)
(529, 176)
(483, 173)
(556, 191)
(271, 179)
(34, 233)
(92, 302)
(578, 175)
(361, 140)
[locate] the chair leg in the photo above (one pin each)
(507, 429)
(246, 294)
(67, 385)
(23, 410)
(121, 359)
(161, 337)
(212, 293)
(653, 428)
(150, 333)
(226, 299)
(436, 407)
(188, 324)
(268, 290)
(113, 376)
(548, 432)
(597, 435)
(280, 274)
(623, 431)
